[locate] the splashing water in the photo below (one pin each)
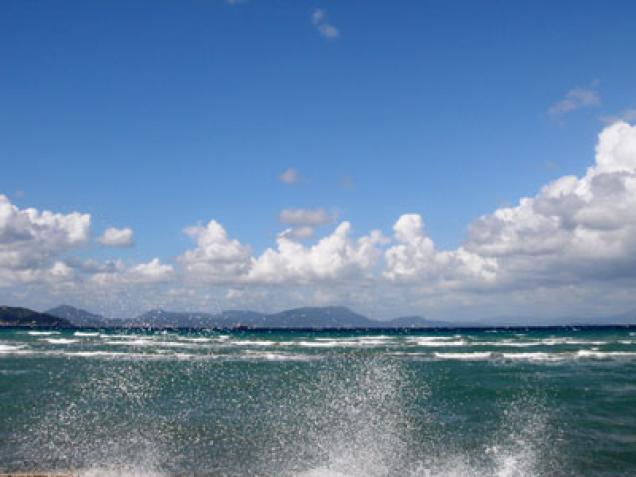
(374, 409)
(363, 428)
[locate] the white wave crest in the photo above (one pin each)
(269, 356)
(121, 337)
(605, 354)
(253, 343)
(60, 340)
(441, 344)
(4, 348)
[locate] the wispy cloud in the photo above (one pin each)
(326, 29)
(627, 115)
(305, 217)
(289, 176)
(299, 233)
(576, 98)
(304, 221)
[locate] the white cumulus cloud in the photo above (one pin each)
(575, 232)
(415, 259)
(217, 258)
(32, 242)
(334, 257)
(572, 244)
(574, 228)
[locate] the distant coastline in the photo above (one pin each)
(305, 318)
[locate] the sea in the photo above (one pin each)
(451, 402)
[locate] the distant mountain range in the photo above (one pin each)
(15, 316)
(77, 316)
(307, 317)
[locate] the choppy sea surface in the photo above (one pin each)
(524, 402)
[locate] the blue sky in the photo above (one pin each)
(160, 115)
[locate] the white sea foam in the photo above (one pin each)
(4, 348)
(374, 341)
(431, 338)
(440, 344)
(43, 333)
(477, 356)
(322, 344)
(507, 343)
(538, 357)
(569, 341)
(86, 333)
(195, 356)
(372, 338)
(245, 356)
(150, 342)
(196, 340)
(121, 337)
(511, 343)
(120, 355)
(269, 356)
(545, 342)
(140, 356)
(174, 344)
(357, 338)
(60, 340)
(135, 342)
(253, 343)
(91, 354)
(337, 343)
(605, 354)
(488, 355)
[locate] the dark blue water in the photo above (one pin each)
(453, 402)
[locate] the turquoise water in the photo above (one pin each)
(454, 402)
